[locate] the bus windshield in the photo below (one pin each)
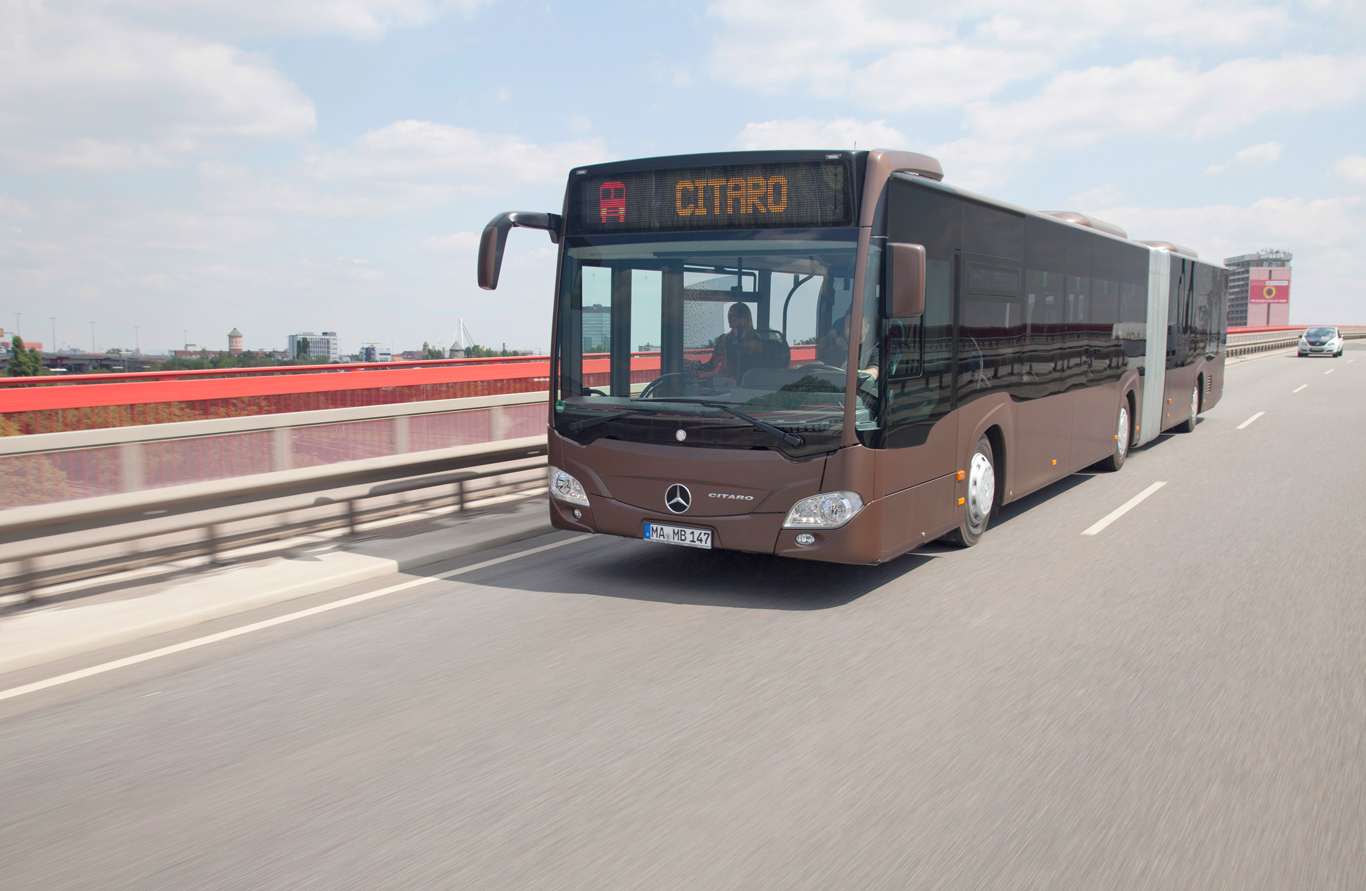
(668, 337)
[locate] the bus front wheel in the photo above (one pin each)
(981, 496)
(1124, 427)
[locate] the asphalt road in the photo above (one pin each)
(1176, 702)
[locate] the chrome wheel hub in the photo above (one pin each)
(1195, 404)
(1122, 433)
(981, 490)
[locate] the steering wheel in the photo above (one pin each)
(589, 391)
(819, 366)
(654, 384)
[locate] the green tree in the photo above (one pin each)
(476, 351)
(24, 361)
(301, 348)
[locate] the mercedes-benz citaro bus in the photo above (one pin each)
(836, 356)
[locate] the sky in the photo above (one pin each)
(172, 170)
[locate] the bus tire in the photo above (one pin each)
(981, 497)
(1188, 425)
(1124, 436)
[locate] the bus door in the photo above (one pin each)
(1180, 364)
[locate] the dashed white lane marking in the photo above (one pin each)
(1250, 420)
(268, 623)
(1330, 371)
(1123, 509)
(1299, 388)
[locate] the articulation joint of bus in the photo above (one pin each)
(836, 356)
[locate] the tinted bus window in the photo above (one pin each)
(989, 230)
(920, 351)
(1133, 281)
(1046, 309)
(1104, 280)
(991, 327)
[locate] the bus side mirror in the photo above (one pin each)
(905, 280)
(495, 238)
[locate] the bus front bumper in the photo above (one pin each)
(759, 533)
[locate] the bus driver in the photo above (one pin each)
(740, 350)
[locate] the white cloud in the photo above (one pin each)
(234, 189)
(465, 159)
(355, 18)
(14, 208)
(807, 133)
(1107, 195)
(825, 44)
(977, 163)
(1080, 108)
(580, 123)
(1259, 155)
(458, 242)
(897, 56)
(1062, 25)
(1352, 168)
(943, 77)
(89, 92)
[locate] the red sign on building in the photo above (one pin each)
(1268, 284)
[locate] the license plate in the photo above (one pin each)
(678, 535)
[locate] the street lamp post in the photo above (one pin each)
(54, 333)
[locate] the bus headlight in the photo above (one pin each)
(828, 511)
(565, 488)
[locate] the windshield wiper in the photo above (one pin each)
(791, 439)
(585, 423)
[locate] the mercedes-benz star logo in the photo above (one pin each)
(677, 498)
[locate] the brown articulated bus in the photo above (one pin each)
(836, 356)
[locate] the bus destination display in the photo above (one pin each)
(779, 195)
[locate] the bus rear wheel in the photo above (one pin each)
(1188, 425)
(981, 497)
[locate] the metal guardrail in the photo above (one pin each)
(84, 490)
(54, 468)
(27, 534)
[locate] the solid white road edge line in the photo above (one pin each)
(1250, 420)
(268, 623)
(1123, 509)
(1299, 388)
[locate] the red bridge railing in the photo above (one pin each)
(54, 404)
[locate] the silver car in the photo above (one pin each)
(1321, 341)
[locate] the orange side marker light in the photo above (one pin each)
(962, 500)
(962, 475)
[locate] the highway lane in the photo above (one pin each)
(1175, 701)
